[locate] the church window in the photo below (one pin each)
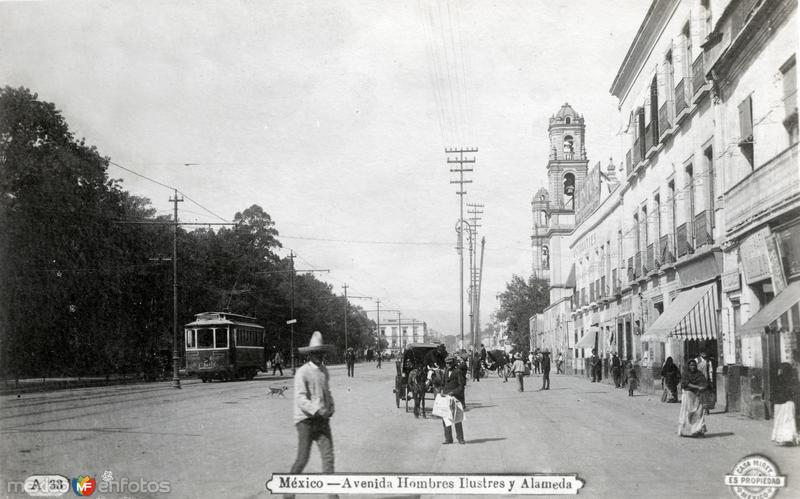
(568, 120)
(569, 190)
(569, 149)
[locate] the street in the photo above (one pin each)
(225, 439)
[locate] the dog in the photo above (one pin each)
(277, 390)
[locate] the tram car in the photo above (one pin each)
(224, 346)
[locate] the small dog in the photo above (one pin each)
(277, 390)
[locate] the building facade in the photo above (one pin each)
(695, 247)
(399, 333)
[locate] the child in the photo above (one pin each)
(633, 381)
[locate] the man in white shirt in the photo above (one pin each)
(313, 406)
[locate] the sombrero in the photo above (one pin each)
(316, 345)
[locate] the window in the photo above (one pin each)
(205, 338)
(645, 226)
(569, 147)
(221, 338)
(657, 218)
(636, 231)
(687, 37)
(190, 338)
(568, 120)
(746, 129)
(672, 207)
(708, 155)
(789, 74)
(705, 16)
(669, 76)
(654, 110)
(690, 204)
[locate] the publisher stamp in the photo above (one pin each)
(755, 477)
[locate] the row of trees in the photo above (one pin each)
(82, 292)
(516, 304)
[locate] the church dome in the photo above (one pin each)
(541, 195)
(566, 110)
(566, 116)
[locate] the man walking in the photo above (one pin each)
(616, 369)
(518, 370)
(454, 386)
(313, 406)
(560, 364)
(350, 359)
(482, 363)
(277, 361)
(546, 369)
(594, 363)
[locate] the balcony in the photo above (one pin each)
(666, 251)
(681, 98)
(649, 260)
(698, 75)
(637, 152)
(628, 163)
(665, 118)
(759, 195)
(637, 265)
(703, 229)
(631, 273)
(684, 239)
(649, 143)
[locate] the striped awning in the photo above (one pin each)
(691, 316)
(781, 314)
(588, 340)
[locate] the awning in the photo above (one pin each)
(588, 340)
(783, 312)
(691, 316)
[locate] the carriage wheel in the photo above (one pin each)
(406, 397)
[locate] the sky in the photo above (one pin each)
(334, 117)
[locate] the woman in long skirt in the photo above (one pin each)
(692, 421)
(784, 429)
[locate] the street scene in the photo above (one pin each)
(399, 249)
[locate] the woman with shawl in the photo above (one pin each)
(784, 429)
(692, 421)
(671, 376)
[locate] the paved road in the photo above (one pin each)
(225, 439)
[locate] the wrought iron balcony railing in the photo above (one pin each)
(703, 233)
(665, 117)
(698, 74)
(681, 96)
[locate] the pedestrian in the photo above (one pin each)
(277, 361)
(784, 429)
(537, 361)
(594, 365)
(560, 364)
(518, 370)
(692, 419)
(671, 376)
(380, 358)
(482, 358)
(633, 378)
(546, 369)
(313, 406)
(350, 359)
(454, 383)
(706, 367)
(616, 370)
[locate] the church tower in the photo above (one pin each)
(540, 247)
(568, 163)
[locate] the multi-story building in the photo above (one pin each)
(399, 333)
(750, 56)
(698, 247)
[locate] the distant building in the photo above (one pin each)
(397, 336)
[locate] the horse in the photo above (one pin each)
(417, 386)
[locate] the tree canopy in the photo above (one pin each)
(521, 300)
(86, 294)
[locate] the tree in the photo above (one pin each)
(518, 303)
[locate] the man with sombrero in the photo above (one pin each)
(313, 406)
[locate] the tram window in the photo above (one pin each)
(221, 338)
(205, 338)
(190, 338)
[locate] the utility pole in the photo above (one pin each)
(478, 300)
(176, 380)
(460, 169)
(475, 211)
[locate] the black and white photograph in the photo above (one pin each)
(399, 249)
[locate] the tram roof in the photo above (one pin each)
(226, 318)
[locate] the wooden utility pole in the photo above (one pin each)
(461, 169)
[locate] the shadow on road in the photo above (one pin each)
(484, 440)
(720, 434)
(471, 406)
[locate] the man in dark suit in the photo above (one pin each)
(454, 386)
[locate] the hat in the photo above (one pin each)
(449, 359)
(316, 345)
(518, 355)
(546, 351)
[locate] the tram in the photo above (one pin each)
(224, 346)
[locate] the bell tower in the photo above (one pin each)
(540, 246)
(568, 163)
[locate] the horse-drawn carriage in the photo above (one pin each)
(410, 382)
(497, 361)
